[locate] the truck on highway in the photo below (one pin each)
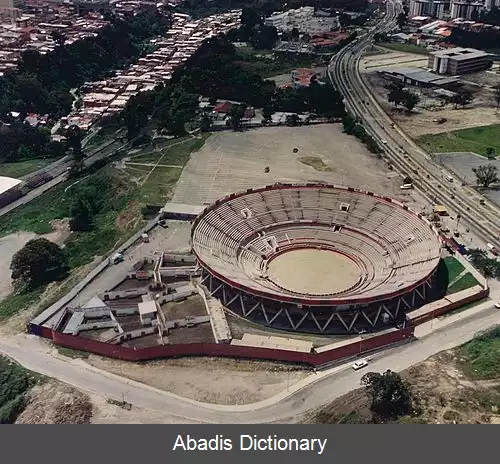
(493, 249)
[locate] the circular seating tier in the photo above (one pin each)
(391, 247)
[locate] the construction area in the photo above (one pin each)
(432, 115)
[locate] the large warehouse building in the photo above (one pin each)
(459, 61)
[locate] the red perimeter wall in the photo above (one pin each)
(227, 350)
(234, 351)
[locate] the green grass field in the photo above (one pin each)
(406, 48)
(23, 168)
(466, 281)
(453, 267)
(480, 358)
(476, 140)
(122, 193)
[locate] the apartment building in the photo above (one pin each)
(459, 61)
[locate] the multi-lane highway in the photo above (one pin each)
(399, 150)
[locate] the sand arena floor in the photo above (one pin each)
(313, 271)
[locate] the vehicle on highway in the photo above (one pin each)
(360, 364)
(117, 258)
(384, 142)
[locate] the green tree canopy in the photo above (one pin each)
(39, 261)
(391, 396)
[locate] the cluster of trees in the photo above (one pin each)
(391, 396)
(254, 31)
(354, 127)
(489, 267)
(42, 82)
(21, 141)
(399, 95)
(461, 97)
(490, 17)
(39, 262)
(213, 71)
(486, 175)
(483, 39)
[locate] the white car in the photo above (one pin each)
(360, 364)
(384, 142)
(497, 305)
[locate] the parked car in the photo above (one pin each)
(497, 305)
(360, 364)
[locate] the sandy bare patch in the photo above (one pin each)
(56, 403)
(210, 380)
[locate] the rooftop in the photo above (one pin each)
(6, 183)
(459, 53)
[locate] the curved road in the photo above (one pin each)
(399, 149)
(315, 391)
(288, 406)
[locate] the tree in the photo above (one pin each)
(236, 115)
(401, 20)
(410, 100)
(81, 216)
(205, 123)
(39, 261)
(292, 119)
(496, 94)
(74, 136)
(486, 175)
(267, 112)
(491, 153)
(391, 396)
(462, 97)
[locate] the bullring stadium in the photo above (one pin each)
(316, 258)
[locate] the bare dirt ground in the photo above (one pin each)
(56, 403)
(481, 112)
(233, 161)
(444, 393)
(10, 244)
(211, 380)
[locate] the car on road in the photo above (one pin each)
(384, 142)
(497, 305)
(360, 364)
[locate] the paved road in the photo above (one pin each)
(36, 354)
(407, 157)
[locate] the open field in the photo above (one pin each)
(480, 358)
(212, 380)
(23, 168)
(475, 140)
(421, 122)
(406, 48)
(234, 161)
(457, 386)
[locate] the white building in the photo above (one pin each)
(304, 20)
